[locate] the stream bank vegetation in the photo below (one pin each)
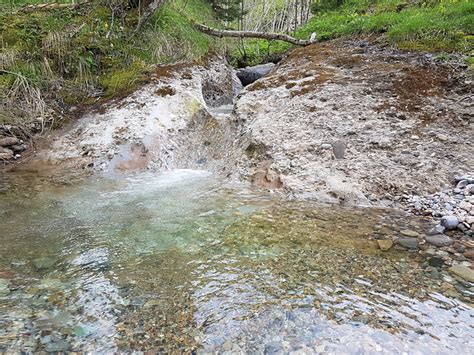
(53, 59)
(442, 26)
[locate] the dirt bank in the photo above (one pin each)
(165, 124)
(342, 122)
(347, 121)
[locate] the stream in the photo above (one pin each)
(183, 261)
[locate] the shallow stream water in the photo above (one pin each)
(183, 262)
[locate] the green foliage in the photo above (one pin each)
(436, 26)
(429, 25)
(71, 54)
(227, 10)
(124, 79)
(325, 5)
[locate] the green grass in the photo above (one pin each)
(447, 26)
(73, 55)
(434, 26)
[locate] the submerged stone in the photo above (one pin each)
(42, 264)
(57, 346)
(385, 244)
(463, 271)
(436, 262)
(83, 330)
(439, 240)
(4, 287)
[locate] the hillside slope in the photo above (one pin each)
(53, 60)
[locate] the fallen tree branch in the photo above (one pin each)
(52, 6)
(253, 34)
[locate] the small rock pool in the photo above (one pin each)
(184, 262)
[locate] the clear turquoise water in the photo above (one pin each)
(183, 262)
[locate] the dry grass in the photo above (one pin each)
(8, 58)
(22, 101)
(169, 49)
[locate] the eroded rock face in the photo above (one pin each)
(165, 124)
(340, 121)
(348, 122)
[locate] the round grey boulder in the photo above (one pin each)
(249, 75)
(449, 222)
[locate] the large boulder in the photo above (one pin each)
(249, 75)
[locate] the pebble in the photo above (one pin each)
(439, 229)
(462, 184)
(384, 244)
(410, 243)
(466, 206)
(449, 222)
(339, 149)
(463, 271)
(439, 240)
(409, 233)
(469, 254)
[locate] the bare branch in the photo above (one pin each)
(252, 34)
(52, 6)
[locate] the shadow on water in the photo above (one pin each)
(182, 261)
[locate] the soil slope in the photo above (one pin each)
(347, 121)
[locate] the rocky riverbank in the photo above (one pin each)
(349, 122)
(342, 122)
(11, 147)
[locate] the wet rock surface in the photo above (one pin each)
(166, 124)
(250, 75)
